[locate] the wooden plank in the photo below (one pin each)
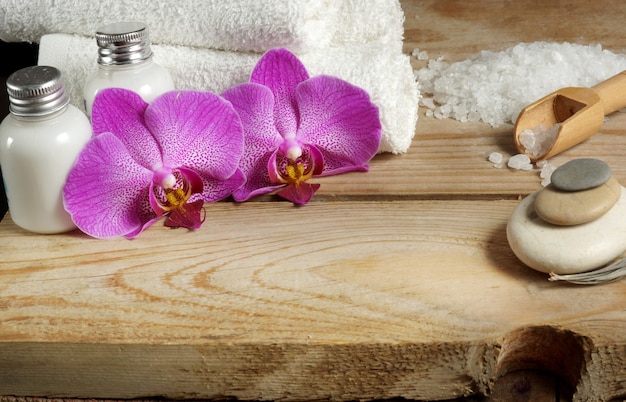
(448, 159)
(291, 262)
(530, 386)
(266, 301)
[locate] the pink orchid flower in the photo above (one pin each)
(297, 127)
(149, 161)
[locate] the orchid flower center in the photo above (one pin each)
(294, 163)
(172, 190)
(176, 198)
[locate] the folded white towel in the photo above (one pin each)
(383, 71)
(245, 25)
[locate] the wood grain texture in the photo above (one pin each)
(316, 273)
(448, 160)
(404, 298)
(396, 283)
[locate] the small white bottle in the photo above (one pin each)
(39, 141)
(125, 61)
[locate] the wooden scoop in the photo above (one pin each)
(580, 112)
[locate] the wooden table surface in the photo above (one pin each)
(394, 283)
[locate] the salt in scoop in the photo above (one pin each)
(575, 113)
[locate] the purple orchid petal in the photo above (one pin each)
(299, 194)
(281, 71)
(194, 180)
(139, 229)
(341, 121)
(120, 112)
(198, 130)
(255, 105)
(241, 196)
(318, 160)
(218, 189)
(106, 192)
(272, 167)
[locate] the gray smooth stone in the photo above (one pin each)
(581, 174)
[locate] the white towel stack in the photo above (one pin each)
(212, 45)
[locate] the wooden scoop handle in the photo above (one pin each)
(612, 93)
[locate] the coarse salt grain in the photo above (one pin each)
(546, 172)
(520, 162)
(420, 54)
(495, 86)
(496, 158)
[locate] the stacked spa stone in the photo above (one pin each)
(576, 224)
(581, 191)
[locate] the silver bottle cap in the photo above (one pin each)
(123, 43)
(36, 91)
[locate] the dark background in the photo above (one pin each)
(14, 56)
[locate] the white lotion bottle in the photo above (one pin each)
(125, 60)
(39, 141)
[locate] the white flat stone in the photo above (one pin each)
(567, 249)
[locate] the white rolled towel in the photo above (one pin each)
(244, 25)
(384, 72)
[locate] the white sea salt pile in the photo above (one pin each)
(495, 86)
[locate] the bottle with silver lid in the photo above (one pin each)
(125, 61)
(39, 141)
